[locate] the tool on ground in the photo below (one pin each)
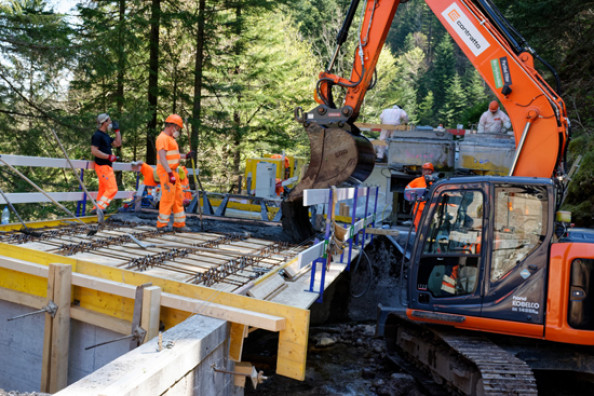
(100, 215)
(92, 230)
(196, 181)
(25, 230)
(138, 333)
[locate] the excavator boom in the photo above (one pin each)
(338, 151)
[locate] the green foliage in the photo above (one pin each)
(260, 60)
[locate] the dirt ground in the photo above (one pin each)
(343, 359)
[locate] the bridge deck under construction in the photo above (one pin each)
(248, 281)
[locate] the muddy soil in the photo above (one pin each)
(342, 359)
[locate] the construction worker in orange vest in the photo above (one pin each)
(416, 188)
(101, 144)
(168, 156)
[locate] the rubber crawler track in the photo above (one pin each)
(468, 363)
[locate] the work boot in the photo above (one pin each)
(165, 229)
(182, 229)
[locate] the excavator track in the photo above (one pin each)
(467, 363)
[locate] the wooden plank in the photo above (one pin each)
(151, 311)
(20, 298)
(48, 162)
(60, 338)
(100, 320)
(310, 254)
(237, 334)
(382, 231)
(322, 196)
(33, 197)
(231, 314)
(379, 127)
(265, 289)
(46, 363)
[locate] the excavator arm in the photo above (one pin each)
(338, 150)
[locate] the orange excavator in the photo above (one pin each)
(492, 254)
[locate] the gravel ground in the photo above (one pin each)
(342, 359)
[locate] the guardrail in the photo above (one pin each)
(47, 162)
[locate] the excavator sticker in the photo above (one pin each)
(501, 73)
(465, 29)
(521, 304)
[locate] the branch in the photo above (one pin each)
(39, 109)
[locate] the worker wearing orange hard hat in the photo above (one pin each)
(168, 157)
(494, 120)
(415, 190)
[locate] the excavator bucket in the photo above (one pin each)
(337, 155)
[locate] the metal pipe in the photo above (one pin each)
(519, 148)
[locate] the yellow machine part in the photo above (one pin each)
(295, 166)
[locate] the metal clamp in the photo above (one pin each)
(257, 377)
(51, 308)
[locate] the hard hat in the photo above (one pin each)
(175, 119)
(428, 165)
(494, 106)
(101, 118)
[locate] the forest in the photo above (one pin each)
(235, 70)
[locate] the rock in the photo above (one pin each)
(368, 373)
(325, 342)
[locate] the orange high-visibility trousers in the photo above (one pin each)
(171, 198)
(108, 187)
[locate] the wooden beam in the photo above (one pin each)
(34, 197)
(381, 231)
(17, 297)
(48, 162)
(54, 373)
(220, 311)
(151, 311)
(61, 326)
(237, 333)
(100, 320)
(231, 314)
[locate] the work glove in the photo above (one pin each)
(112, 158)
(115, 126)
(191, 155)
(171, 177)
(186, 202)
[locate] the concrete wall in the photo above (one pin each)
(185, 368)
(21, 349)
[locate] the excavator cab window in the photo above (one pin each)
(519, 227)
(452, 250)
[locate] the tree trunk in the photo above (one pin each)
(120, 83)
(236, 137)
(153, 86)
(197, 108)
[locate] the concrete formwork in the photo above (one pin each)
(96, 296)
(21, 348)
(183, 366)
